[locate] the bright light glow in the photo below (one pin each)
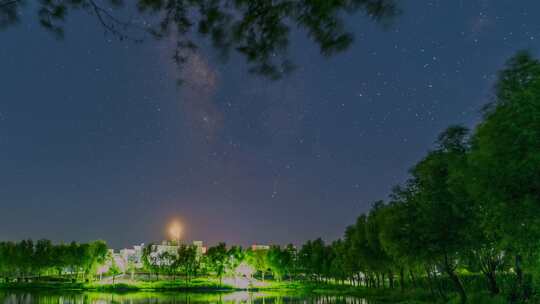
(242, 278)
(244, 270)
(238, 282)
(175, 231)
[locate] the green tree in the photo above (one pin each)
(281, 261)
(443, 218)
(505, 165)
(399, 236)
(338, 266)
(352, 254)
(131, 266)
(236, 257)
(188, 260)
(361, 254)
(313, 258)
(150, 259)
(168, 263)
(114, 270)
(43, 256)
(95, 255)
(258, 259)
(24, 257)
(276, 262)
(60, 258)
(8, 260)
(380, 262)
(218, 258)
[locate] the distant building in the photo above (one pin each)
(256, 247)
(171, 247)
(133, 257)
(165, 246)
(201, 249)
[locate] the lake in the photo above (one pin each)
(59, 297)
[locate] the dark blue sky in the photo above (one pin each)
(97, 141)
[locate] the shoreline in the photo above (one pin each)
(119, 287)
(386, 295)
(288, 288)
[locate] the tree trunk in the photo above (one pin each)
(455, 279)
(402, 279)
(430, 280)
(489, 263)
(492, 282)
(518, 288)
(519, 270)
(413, 279)
(457, 282)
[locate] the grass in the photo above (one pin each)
(198, 284)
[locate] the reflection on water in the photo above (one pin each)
(45, 297)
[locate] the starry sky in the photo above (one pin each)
(97, 140)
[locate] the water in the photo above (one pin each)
(61, 297)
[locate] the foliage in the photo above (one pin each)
(26, 259)
(282, 261)
(218, 258)
(187, 260)
(258, 30)
(469, 206)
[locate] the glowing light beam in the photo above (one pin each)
(175, 231)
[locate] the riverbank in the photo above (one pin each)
(121, 285)
(204, 285)
(396, 295)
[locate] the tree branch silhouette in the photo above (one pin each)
(258, 30)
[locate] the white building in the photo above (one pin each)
(172, 249)
(256, 247)
(132, 258)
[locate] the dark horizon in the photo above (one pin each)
(97, 140)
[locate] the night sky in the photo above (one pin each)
(97, 140)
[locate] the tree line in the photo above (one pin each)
(470, 206)
(183, 260)
(219, 260)
(27, 259)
